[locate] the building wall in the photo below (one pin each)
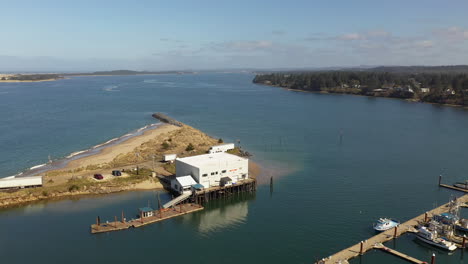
(183, 169)
(214, 171)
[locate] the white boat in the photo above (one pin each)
(385, 224)
(430, 237)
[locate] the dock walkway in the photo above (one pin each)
(369, 244)
(159, 215)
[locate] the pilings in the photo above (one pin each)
(212, 193)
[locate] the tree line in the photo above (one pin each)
(447, 87)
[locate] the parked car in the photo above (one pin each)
(116, 173)
(98, 176)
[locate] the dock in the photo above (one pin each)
(398, 254)
(450, 186)
(377, 240)
(453, 188)
(158, 215)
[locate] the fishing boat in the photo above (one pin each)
(385, 224)
(431, 237)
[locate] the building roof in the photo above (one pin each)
(198, 186)
(204, 159)
(186, 180)
(146, 209)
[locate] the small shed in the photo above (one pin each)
(169, 157)
(183, 184)
(146, 212)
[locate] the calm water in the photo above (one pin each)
(329, 193)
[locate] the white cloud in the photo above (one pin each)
(452, 34)
(351, 36)
(243, 46)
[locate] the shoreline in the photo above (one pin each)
(75, 178)
(26, 81)
(370, 96)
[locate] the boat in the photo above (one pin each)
(462, 225)
(431, 237)
(385, 224)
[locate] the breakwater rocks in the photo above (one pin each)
(166, 119)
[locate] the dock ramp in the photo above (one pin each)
(177, 200)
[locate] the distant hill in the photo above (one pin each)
(125, 72)
(420, 69)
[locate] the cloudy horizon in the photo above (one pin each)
(188, 35)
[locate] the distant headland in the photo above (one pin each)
(432, 84)
(42, 77)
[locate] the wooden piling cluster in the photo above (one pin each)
(377, 240)
(205, 195)
(158, 215)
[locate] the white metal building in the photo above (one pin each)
(209, 169)
(183, 183)
(169, 157)
(221, 148)
(20, 182)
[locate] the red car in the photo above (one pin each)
(98, 176)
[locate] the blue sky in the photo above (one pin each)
(205, 34)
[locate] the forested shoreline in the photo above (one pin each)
(445, 86)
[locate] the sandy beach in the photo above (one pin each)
(108, 154)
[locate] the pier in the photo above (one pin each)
(156, 216)
(378, 240)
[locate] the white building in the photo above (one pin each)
(183, 184)
(425, 90)
(213, 169)
(221, 148)
(169, 157)
(20, 182)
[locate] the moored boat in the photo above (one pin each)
(462, 225)
(431, 238)
(385, 224)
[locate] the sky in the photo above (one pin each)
(207, 34)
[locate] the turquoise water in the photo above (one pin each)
(340, 162)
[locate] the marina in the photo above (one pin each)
(376, 241)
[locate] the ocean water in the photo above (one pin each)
(340, 162)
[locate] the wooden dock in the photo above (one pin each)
(398, 254)
(371, 243)
(159, 215)
(453, 188)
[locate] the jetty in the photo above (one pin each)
(147, 216)
(376, 242)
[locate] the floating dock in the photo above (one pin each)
(398, 254)
(451, 187)
(377, 240)
(158, 215)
